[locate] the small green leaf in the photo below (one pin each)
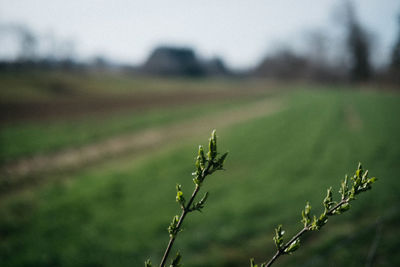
(364, 177)
(293, 246)
(212, 146)
(344, 188)
(147, 263)
(322, 220)
(176, 262)
(361, 182)
(306, 218)
(318, 223)
(179, 196)
(342, 208)
(200, 166)
(219, 163)
(359, 170)
(278, 238)
(201, 158)
(196, 181)
(200, 205)
(173, 227)
(328, 202)
(372, 180)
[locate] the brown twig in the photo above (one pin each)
(307, 228)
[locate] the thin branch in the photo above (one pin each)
(281, 251)
(185, 211)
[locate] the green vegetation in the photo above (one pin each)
(23, 137)
(115, 213)
(206, 164)
(30, 138)
(359, 182)
(50, 85)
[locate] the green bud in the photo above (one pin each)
(342, 208)
(364, 177)
(219, 164)
(293, 246)
(196, 181)
(359, 170)
(173, 227)
(201, 158)
(357, 180)
(361, 182)
(147, 263)
(200, 205)
(278, 238)
(372, 180)
(212, 146)
(352, 195)
(199, 171)
(344, 188)
(318, 223)
(328, 202)
(322, 220)
(176, 262)
(314, 224)
(252, 264)
(179, 195)
(306, 219)
(200, 166)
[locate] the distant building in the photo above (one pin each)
(173, 61)
(178, 61)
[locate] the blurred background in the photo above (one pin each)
(103, 105)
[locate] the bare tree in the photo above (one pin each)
(358, 45)
(28, 44)
(395, 58)
(27, 41)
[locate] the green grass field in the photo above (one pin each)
(115, 213)
(23, 138)
(29, 138)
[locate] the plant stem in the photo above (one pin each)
(181, 218)
(307, 228)
(185, 211)
(282, 250)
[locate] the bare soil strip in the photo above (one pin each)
(136, 142)
(80, 106)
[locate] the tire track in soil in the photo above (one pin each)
(20, 172)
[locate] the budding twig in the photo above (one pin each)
(360, 183)
(208, 164)
(205, 166)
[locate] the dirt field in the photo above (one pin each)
(70, 108)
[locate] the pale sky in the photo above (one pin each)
(240, 31)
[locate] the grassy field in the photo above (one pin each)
(111, 108)
(29, 138)
(50, 85)
(115, 213)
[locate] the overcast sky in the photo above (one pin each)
(240, 31)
